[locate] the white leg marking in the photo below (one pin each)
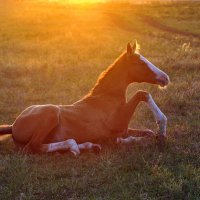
(73, 147)
(65, 145)
(161, 119)
(70, 145)
(129, 140)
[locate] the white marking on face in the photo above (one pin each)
(160, 75)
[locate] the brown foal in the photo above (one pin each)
(103, 113)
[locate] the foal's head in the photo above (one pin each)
(141, 70)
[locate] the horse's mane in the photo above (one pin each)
(105, 75)
(103, 82)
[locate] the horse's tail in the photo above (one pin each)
(5, 129)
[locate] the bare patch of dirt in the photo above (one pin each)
(120, 23)
(152, 22)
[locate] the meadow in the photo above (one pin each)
(53, 53)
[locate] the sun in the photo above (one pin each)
(78, 1)
(84, 1)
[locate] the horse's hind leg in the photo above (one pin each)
(70, 145)
(41, 132)
(34, 145)
(90, 146)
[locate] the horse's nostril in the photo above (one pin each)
(167, 80)
(163, 81)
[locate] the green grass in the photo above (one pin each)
(51, 53)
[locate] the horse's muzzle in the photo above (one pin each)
(163, 80)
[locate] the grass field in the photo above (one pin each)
(51, 53)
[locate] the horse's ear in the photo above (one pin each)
(129, 49)
(134, 46)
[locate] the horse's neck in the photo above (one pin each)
(113, 81)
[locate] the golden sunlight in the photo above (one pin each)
(78, 1)
(85, 1)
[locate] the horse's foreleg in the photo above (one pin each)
(129, 109)
(136, 135)
(130, 139)
(119, 120)
(139, 132)
(161, 119)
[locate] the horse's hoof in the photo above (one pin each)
(162, 125)
(96, 148)
(119, 140)
(149, 133)
(161, 140)
(75, 153)
(25, 150)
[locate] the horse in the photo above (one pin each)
(103, 113)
